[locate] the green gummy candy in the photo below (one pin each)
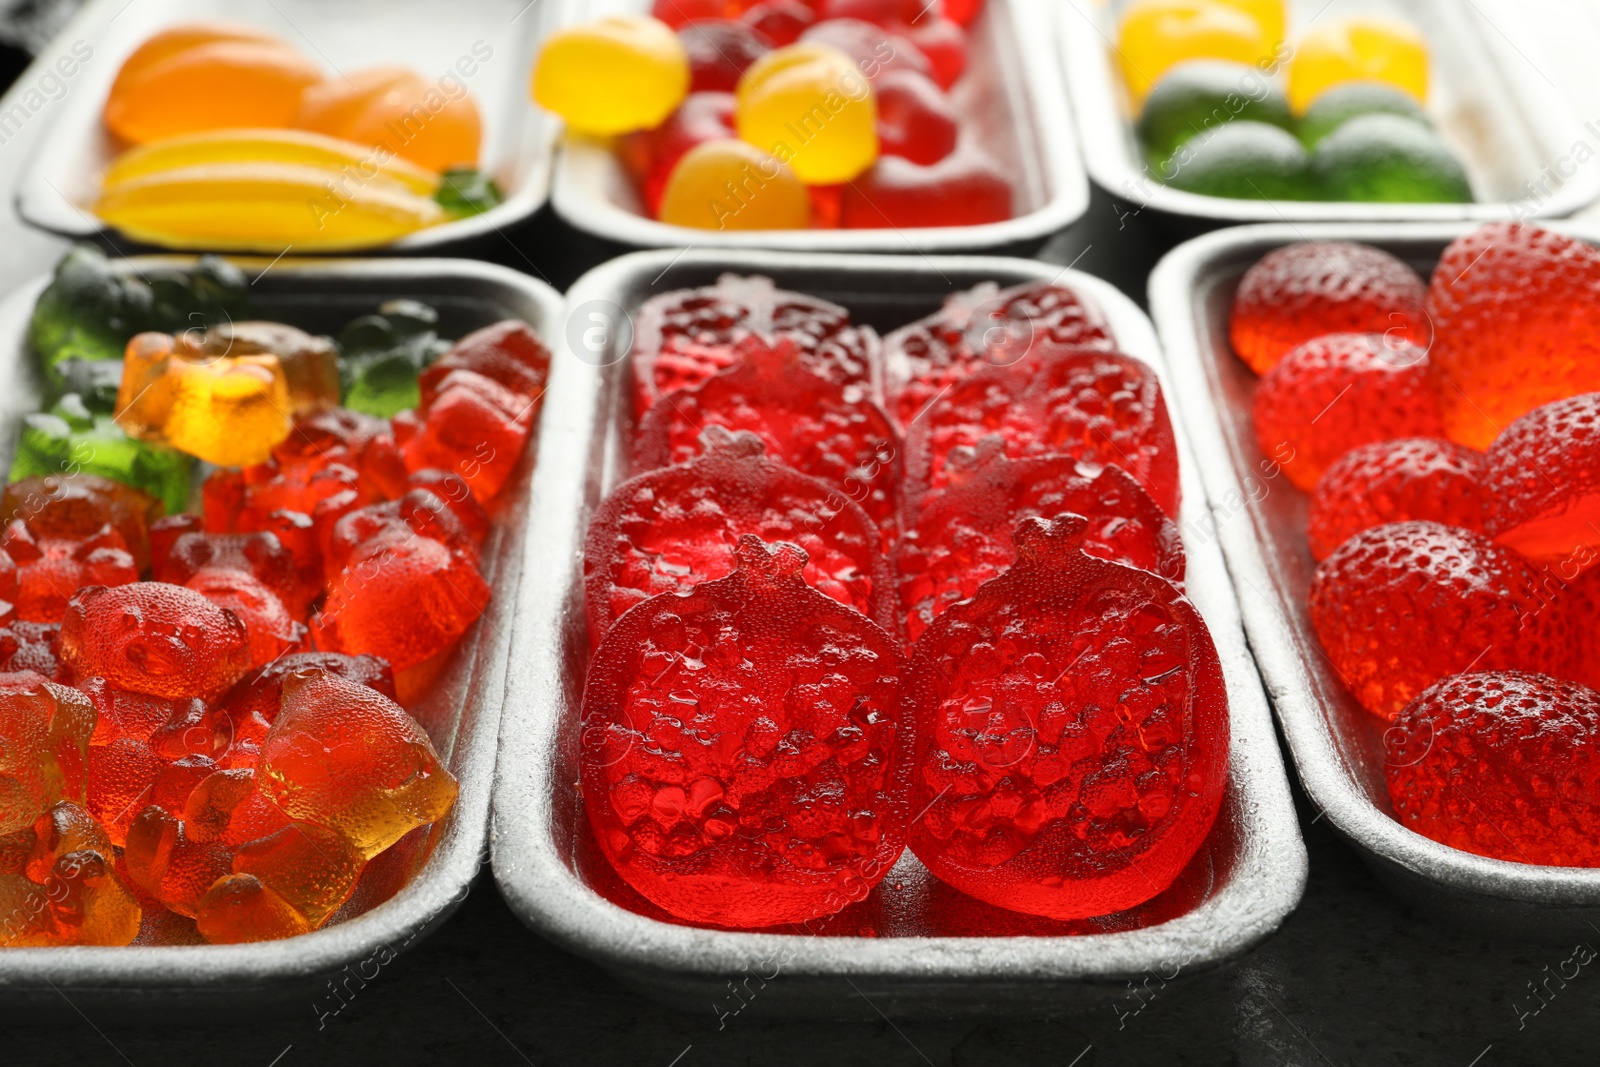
(1242, 161)
(1389, 159)
(71, 439)
(1204, 95)
(88, 312)
(210, 293)
(1339, 105)
(382, 355)
(466, 191)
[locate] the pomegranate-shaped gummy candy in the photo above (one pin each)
(1542, 480)
(828, 431)
(1336, 392)
(1072, 733)
(962, 534)
(965, 188)
(1395, 481)
(1303, 291)
(978, 328)
(673, 528)
(1103, 407)
(744, 763)
(1502, 764)
(154, 638)
(1399, 606)
(683, 337)
(1512, 309)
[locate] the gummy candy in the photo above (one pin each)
(344, 756)
(1200, 93)
(64, 890)
(1155, 35)
(1400, 606)
(1508, 335)
(419, 513)
(311, 869)
(1302, 291)
(1351, 100)
(1396, 481)
(49, 570)
(683, 337)
(1389, 159)
(1368, 48)
(1499, 763)
(651, 155)
(810, 106)
(961, 537)
(731, 185)
(945, 44)
(78, 505)
(508, 352)
(720, 50)
(180, 551)
(779, 21)
(383, 353)
(1542, 483)
(1103, 407)
(70, 439)
(1072, 733)
(965, 188)
(475, 427)
(30, 646)
(164, 861)
(155, 638)
(310, 364)
(916, 120)
(270, 628)
(1243, 161)
(1337, 392)
(819, 428)
(669, 529)
(874, 50)
(743, 759)
(399, 110)
(613, 75)
(241, 721)
(978, 328)
(47, 728)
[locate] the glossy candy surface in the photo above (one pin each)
(613, 75)
(965, 188)
(1408, 478)
(728, 184)
(810, 106)
(1542, 483)
(1155, 35)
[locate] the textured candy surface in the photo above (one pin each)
(978, 328)
(743, 759)
(683, 337)
(69, 437)
(1303, 291)
(47, 728)
(270, 629)
(154, 638)
(74, 506)
(1338, 392)
(962, 535)
(507, 352)
(1542, 481)
(1072, 733)
(670, 529)
(180, 552)
(1513, 332)
(1425, 478)
(1579, 603)
(239, 723)
(1502, 764)
(1400, 606)
(1102, 407)
(49, 570)
(475, 427)
(825, 430)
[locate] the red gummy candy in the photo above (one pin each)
(1103, 407)
(1542, 479)
(743, 759)
(1425, 478)
(1400, 606)
(1501, 764)
(1511, 307)
(75, 506)
(240, 723)
(878, 12)
(945, 44)
(1303, 291)
(420, 513)
(962, 12)
(962, 534)
(965, 188)
(670, 529)
(720, 50)
(271, 629)
(355, 441)
(819, 428)
(676, 13)
(456, 494)
(1072, 733)
(31, 646)
(780, 21)
(1579, 604)
(683, 337)
(475, 427)
(916, 120)
(50, 569)
(651, 155)
(1338, 392)
(179, 552)
(154, 638)
(980, 327)
(508, 352)
(875, 49)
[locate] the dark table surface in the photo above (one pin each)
(1353, 977)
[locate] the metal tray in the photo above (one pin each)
(1337, 747)
(934, 951)
(461, 709)
(1011, 103)
(1502, 115)
(58, 186)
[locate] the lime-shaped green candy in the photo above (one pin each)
(1204, 95)
(1389, 159)
(1244, 161)
(1351, 100)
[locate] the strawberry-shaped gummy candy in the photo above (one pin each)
(1072, 733)
(1501, 763)
(962, 534)
(1302, 291)
(743, 759)
(1542, 479)
(1510, 306)
(1395, 481)
(669, 529)
(1400, 606)
(155, 638)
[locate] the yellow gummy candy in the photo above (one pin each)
(614, 75)
(1371, 48)
(1156, 35)
(731, 185)
(811, 108)
(1269, 14)
(363, 162)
